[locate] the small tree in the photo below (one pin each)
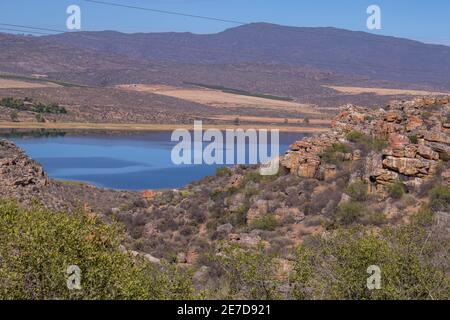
(40, 118)
(396, 190)
(14, 116)
(306, 120)
(248, 273)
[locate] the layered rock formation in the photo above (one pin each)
(416, 133)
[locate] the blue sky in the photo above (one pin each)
(421, 20)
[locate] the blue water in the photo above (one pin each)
(128, 162)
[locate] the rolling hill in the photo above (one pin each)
(327, 49)
(300, 63)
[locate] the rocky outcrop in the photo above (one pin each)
(303, 158)
(17, 170)
(417, 136)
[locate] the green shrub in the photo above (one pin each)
(249, 192)
(40, 118)
(239, 217)
(349, 212)
(37, 246)
(413, 138)
(223, 171)
(412, 263)
(248, 273)
(187, 193)
(358, 190)
(371, 143)
(378, 144)
(255, 176)
(329, 155)
(444, 156)
(14, 116)
(426, 114)
(340, 147)
(355, 136)
(267, 222)
(10, 102)
(38, 107)
(440, 198)
(397, 189)
(375, 218)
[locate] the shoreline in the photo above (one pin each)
(149, 127)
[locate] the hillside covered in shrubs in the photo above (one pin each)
(374, 190)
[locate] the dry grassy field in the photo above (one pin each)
(384, 92)
(218, 98)
(18, 84)
(290, 120)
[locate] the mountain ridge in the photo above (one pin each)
(324, 48)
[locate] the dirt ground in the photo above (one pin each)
(384, 92)
(17, 84)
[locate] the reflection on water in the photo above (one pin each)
(134, 161)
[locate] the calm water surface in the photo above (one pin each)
(130, 161)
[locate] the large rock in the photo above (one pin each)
(393, 116)
(225, 228)
(436, 136)
(329, 171)
(408, 151)
(398, 141)
(427, 152)
(258, 209)
(246, 239)
(349, 117)
(409, 166)
(414, 123)
(284, 212)
(308, 169)
(446, 176)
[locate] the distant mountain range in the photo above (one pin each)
(290, 61)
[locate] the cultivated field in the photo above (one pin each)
(218, 98)
(384, 92)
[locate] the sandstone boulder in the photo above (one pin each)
(427, 152)
(408, 166)
(414, 123)
(398, 141)
(437, 136)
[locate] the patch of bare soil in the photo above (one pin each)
(17, 84)
(384, 91)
